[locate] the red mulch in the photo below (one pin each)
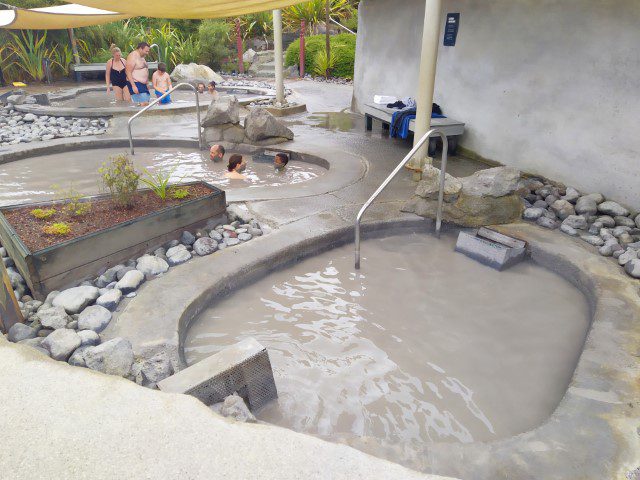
(104, 214)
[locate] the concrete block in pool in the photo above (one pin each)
(491, 248)
(244, 368)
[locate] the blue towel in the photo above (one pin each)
(400, 123)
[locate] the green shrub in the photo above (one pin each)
(232, 66)
(72, 198)
(323, 65)
(59, 229)
(158, 182)
(179, 193)
(343, 53)
(42, 213)
(213, 36)
(121, 178)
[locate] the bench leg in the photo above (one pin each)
(368, 122)
(433, 146)
(453, 145)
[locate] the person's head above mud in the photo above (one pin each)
(212, 86)
(143, 49)
(216, 153)
(200, 87)
(235, 166)
(280, 160)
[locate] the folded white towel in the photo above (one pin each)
(384, 99)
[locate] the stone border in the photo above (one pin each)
(343, 170)
(591, 434)
(260, 94)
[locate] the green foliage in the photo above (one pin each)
(42, 213)
(179, 193)
(232, 66)
(27, 51)
(313, 13)
(59, 229)
(121, 178)
(343, 53)
(72, 198)
(187, 49)
(158, 182)
(213, 36)
(61, 59)
(322, 64)
(254, 25)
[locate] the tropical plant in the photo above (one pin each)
(158, 182)
(187, 49)
(213, 36)
(42, 213)
(166, 38)
(121, 178)
(28, 51)
(313, 13)
(179, 193)
(343, 53)
(59, 229)
(61, 58)
(323, 64)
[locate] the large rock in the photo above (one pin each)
(586, 205)
(193, 72)
(234, 407)
(249, 56)
(148, 372)
(61, 343)
(77, 357)
(260, 125)
(52, 317)
(114, 357)
(151, 266)
(429, 185)
(562, 209)
(88, 338)
(130, 281)
(75, 299)
(479, 201)
(228, 132)
(110, 299)
(94, 318)
(633, 268)
(612, 208)
(576, 221)
(225, 110)
(178, 255)
(205, 246)
(20, 331)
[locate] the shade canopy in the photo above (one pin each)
(52, 18)
(198, 9)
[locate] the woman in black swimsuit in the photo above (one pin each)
(116, 75)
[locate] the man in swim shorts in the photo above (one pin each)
(138, 74)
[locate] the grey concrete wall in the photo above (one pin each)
(548, 86)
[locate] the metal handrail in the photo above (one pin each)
(342, 26)
(443, 169)
(157, 49)
(131, 119)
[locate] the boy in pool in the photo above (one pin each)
(162, 83)
(216, 153)
(280, 161)
(200, 87)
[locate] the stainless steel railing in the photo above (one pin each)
(131, 119)
(443, 169)
(342, 26)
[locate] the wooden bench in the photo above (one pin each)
(79, 68)
(451, 128)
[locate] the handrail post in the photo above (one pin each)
(386, 182)
(155, 102)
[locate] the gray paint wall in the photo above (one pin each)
(551, 87)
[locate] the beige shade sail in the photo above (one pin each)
(60, 17)
(189, 8)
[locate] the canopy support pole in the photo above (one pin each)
(426, 79)
(277, 50)
(74, 46)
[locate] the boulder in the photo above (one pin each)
(88, 338)
(633, 268)
(562, 209)
(148, 372)
(260, 125)
(20, 331)
(205, 246)
(487, 197)
(637, 220)
(569, 230)
(110, 299)
(571, 195)
(586, 205)
(94, 318)
(547, 222)
(228, 133)
(576, 221)
(77, 357)
(429, 185)
(130, 282)
(178, 255)
(75, 299)
(151, 266)
(114, 357)
(225, 110)
(249, 55)
(613, 209)
(61, 343)
(187, 238)
(625, 221)
(627, 256)
(52, 317)
(193, 73)
(234, 407)
(533, 213)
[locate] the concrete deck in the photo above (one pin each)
(63, 422)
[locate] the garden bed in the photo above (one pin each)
(105, 236)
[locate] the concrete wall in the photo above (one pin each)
(548, 86)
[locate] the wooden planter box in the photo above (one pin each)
(65, 264)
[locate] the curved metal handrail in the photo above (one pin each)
(157, 49)
(342, 26)
(443, 169)
(132, 118)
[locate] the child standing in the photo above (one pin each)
(162, 83)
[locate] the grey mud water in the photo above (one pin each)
(422, 345)
(33, 179)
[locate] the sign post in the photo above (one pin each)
(10, 313)
(303, 26)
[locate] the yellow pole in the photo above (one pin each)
(426, 78)
(277, 50)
